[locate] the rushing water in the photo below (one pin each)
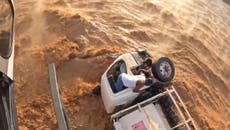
(195, 34)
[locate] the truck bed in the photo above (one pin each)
(149, 117)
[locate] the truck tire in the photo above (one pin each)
(163, 69)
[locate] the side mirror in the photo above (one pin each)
(6, 28)
(144, 54)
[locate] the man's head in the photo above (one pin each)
(148, 81)
(116, 71)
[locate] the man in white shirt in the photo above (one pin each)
(132, 81)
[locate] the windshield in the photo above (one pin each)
(5, 28)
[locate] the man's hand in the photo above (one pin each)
(139, 85)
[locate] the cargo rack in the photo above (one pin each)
(187, 122)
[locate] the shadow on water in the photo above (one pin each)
(227, 2)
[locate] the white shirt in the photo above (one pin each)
(131, 80)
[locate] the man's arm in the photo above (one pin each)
(147, 72)
(139, 85)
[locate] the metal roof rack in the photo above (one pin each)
(172, 93)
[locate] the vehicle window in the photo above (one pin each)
(123, 67)
(114, 72)
(5, 28)
(117, 68)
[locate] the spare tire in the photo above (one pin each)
(163, 69)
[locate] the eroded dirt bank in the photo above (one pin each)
(79, 36)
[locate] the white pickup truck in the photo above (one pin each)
(158, 108)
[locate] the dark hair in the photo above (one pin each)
(117, 68)
(148, 81)
(148, 62)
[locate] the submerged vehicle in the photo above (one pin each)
(159, 107)
(8, 118)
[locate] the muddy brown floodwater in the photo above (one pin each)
(79, 36)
